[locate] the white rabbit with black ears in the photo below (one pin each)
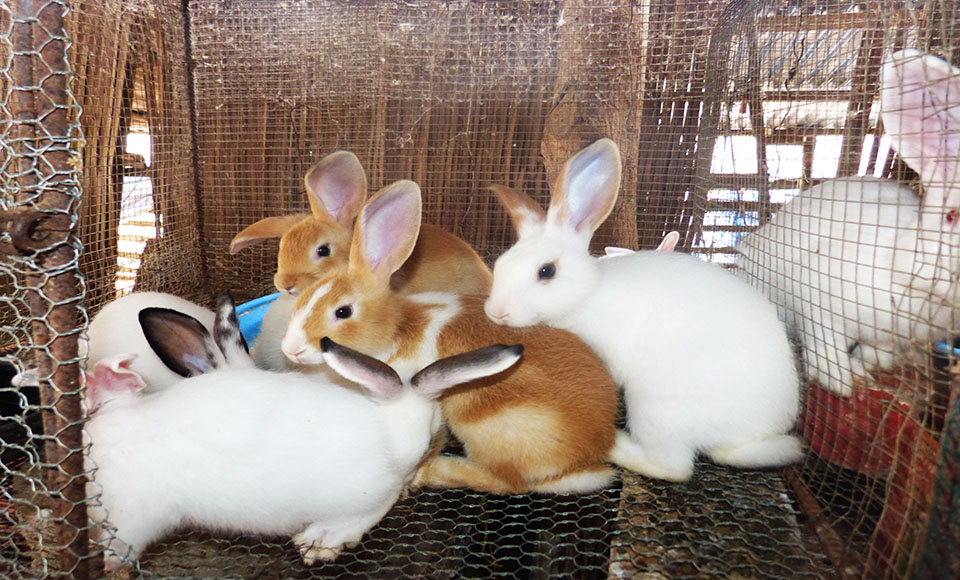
(243, 450)
(704, 361)
(860, 267)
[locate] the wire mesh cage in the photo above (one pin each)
(139, 137)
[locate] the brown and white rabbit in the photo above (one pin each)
(314, 246)
(546, 425)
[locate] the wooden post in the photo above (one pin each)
(574, 121)
(43, 139)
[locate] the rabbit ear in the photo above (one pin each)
(455, 370)
(587, 189)
(337, 186)
(271, 227)
(111, 377)
(227, 335)
(527, 215)
(387, 230)
(669, 242)
(181, 342)
(376, 377)
(920, 103)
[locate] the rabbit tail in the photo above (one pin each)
(768, 451)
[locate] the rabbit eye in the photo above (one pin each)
(344, 312)
(547, 271)
(323, 251)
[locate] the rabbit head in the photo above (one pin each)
(920, 108)
(549, 271)
(356, 306)
(313, 246)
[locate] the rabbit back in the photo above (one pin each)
(693, 347)
(226, 452)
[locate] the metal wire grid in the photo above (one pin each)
(42, 312)
(787, 79)
(748, 526)
(455, 95)
(259, 66)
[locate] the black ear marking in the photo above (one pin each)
(376, 376)
(226, 332)
(226, 328)
(454, 370)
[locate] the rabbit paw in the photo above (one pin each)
(870, 357)
(310, 543)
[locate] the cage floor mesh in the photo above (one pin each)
(723, 523)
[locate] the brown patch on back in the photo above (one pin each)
(409, 333)
(442, 262)
(559, 376)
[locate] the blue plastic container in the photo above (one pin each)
(250, 315)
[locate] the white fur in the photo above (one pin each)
(862, 271)
(446, 307)
(247, 451)
(703, 359)
(116, 330)
(294, 344)
(252, 451)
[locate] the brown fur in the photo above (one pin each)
(442, 262)
(296, 265)
(559, 380)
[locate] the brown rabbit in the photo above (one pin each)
(313, 246)
(545, 425)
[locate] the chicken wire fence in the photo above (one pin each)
(185, 122)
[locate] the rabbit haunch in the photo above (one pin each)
(546, 425)
(704, 361)
(861, 267)
(330, 461)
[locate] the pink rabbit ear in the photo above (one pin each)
(920, 107)
(337, 186)
(387, 230)
(669, 242)
(111, 377)
(587, 189)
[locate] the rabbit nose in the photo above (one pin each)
(498, 315)
(294, 356)
(291, 290)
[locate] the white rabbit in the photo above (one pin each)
(249, 451)
(860, 268)
(704, 361)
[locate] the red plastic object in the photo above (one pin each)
(873, 433)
